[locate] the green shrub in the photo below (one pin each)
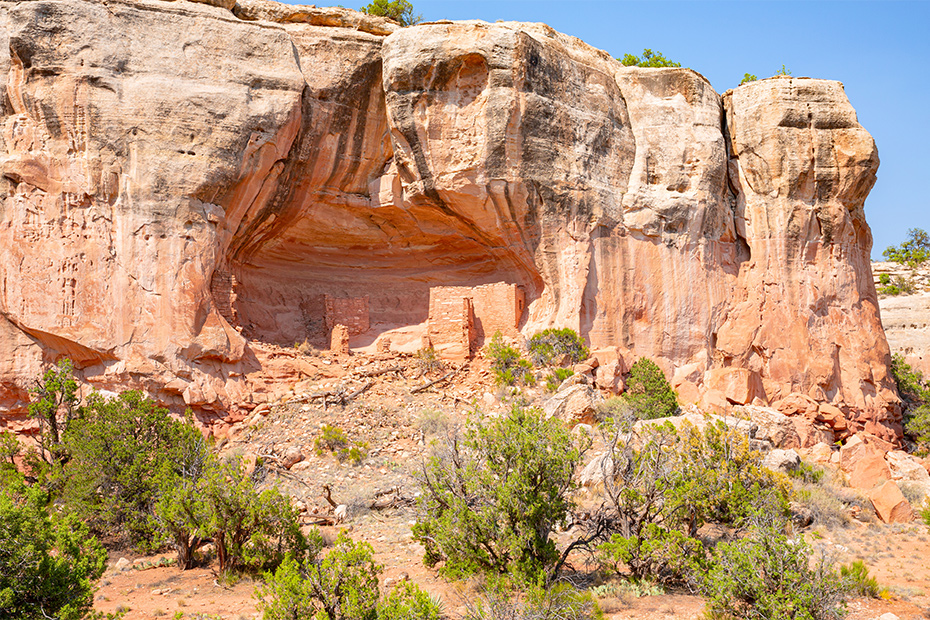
(331, 439)
(400, 11)
(490, 500)
(427, 361)
(911, 384)
(857, 580)
(767, 576)
(748, 77)
(9, 450)
(913, 252)
(408, 602)
(648, 391)
(648, 59)
(917, 426)
(556, 377)
(343, 585)
(897, 285)
(915, 392)
(119, 450)
(559, 601)
(508, 365)
(631, 586)
(659, 486)
(668, 555)
(251, 529)
(556, 346)
(334, 439)
(49, 563)
(811, 474)
(783, 71)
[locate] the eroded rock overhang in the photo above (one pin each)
(199, 179)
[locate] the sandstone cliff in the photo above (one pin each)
(183, 182)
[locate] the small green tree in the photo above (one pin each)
(55, 406)
(648, 391)
(406, 601)
(913, 252)
(507, 362)
(748, 77)
(648, 59)
(915, 392)
(121, 449)
(251, 529)
(783, 71)
(490, 500)
(49, 563)
(182, 517)
(401, 11)
(557, 346)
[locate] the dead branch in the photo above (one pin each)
(383, 371)
(433, 382)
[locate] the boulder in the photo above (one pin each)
(890, 504)
(810, 433)
(592, 474)
(738, 385)
(292, 456)
(782, 460)
(908, 471)
(868, 471)
(575, 404)
(797, 404)
(715, 401)
(773, 427)
(610, 368)
(858, 447)
(820, 453)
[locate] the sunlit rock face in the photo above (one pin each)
(182, 183)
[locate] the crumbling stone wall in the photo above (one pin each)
(471, 314)
(223, 288)
(349, 311)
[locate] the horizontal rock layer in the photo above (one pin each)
(199, 180)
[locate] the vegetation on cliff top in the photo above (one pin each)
(401, 11)
(648, 59)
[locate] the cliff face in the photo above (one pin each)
(182, 183)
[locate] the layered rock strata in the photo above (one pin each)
(182, 182)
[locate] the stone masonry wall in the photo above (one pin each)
(494, 307)
(349, 311)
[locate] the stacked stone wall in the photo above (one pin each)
(349, 311)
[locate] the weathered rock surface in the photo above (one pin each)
(574, 404)
(906, 318)
(782, 460)
(200, 180)
(890, 504)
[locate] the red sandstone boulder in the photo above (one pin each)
(869, 471)
(739, 385)
(890, 504)
(797, 404)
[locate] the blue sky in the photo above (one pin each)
(879, 50)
